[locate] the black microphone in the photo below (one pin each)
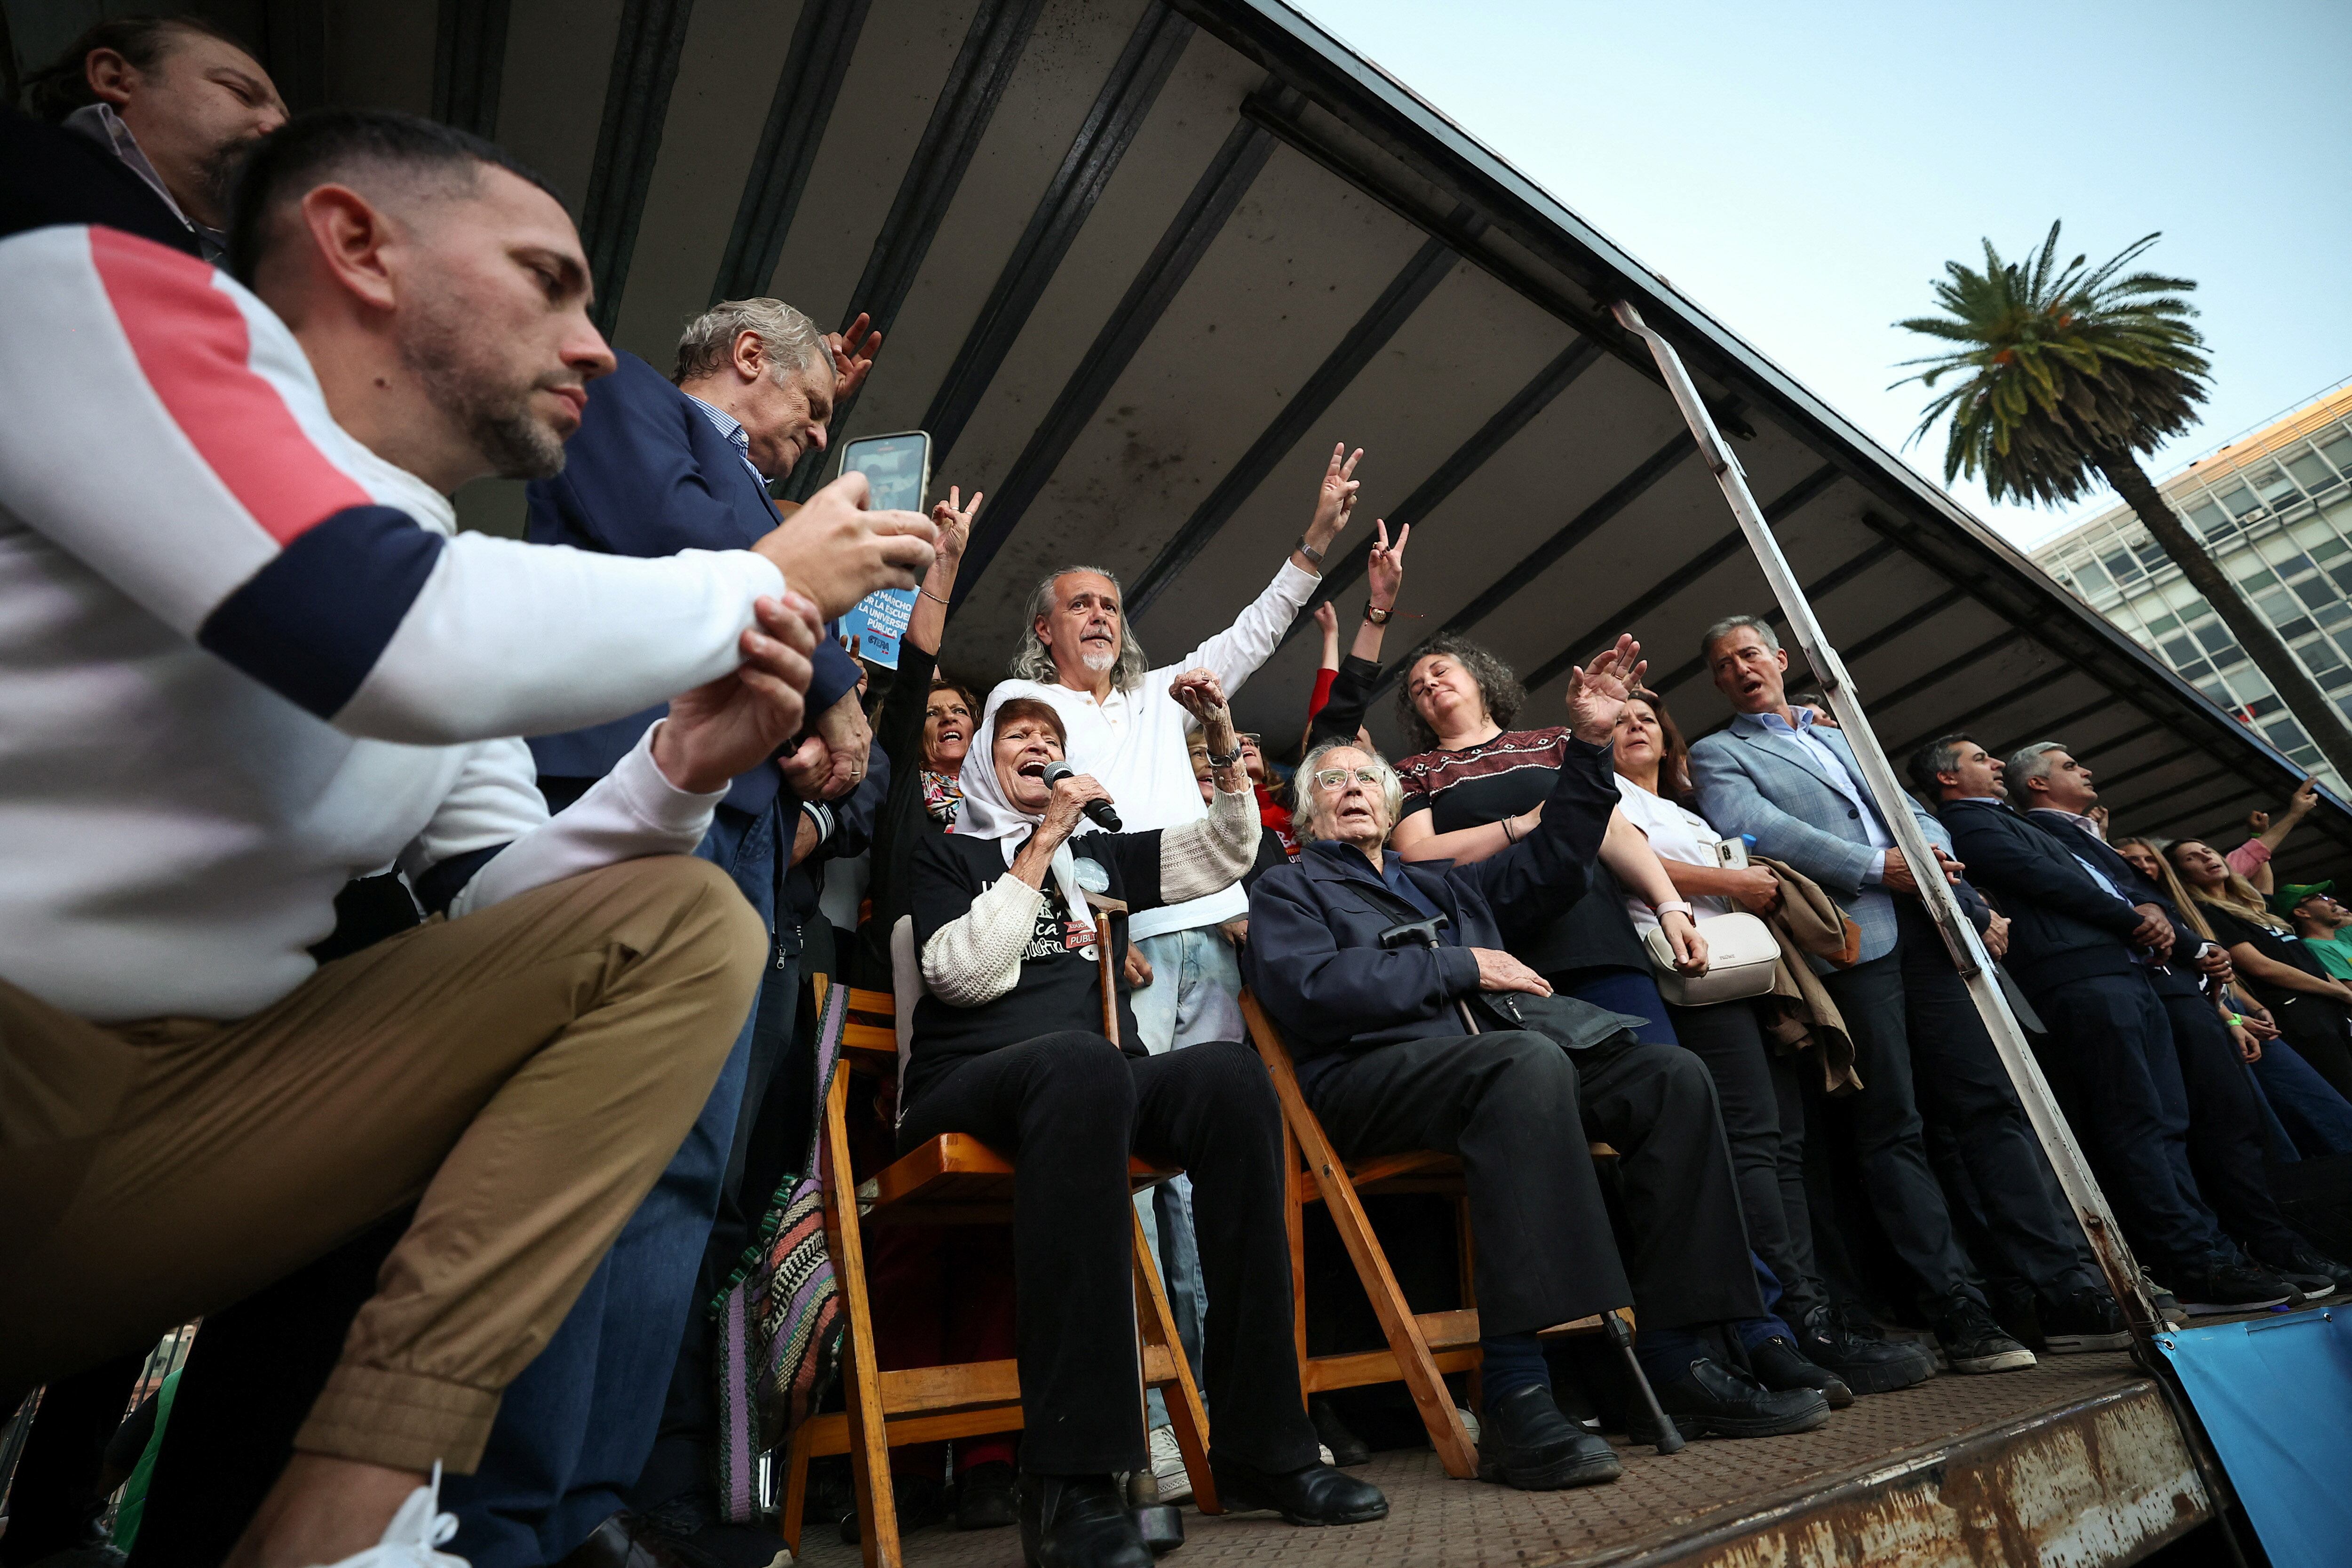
(1099, 812)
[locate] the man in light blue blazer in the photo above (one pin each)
(1798, 791)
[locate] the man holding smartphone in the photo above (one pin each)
(663, 464)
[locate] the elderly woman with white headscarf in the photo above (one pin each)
(1009, 1048)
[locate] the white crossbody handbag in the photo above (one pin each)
(1741, 953)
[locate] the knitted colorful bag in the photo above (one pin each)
(780, 1316)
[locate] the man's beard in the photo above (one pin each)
(462, 376)
(1096, 658)
(219, 171)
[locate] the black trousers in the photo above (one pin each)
(2225, 1126)
(2112, 1042)
(1070, 1109)
(1762, 1097)
(1520, 1111)
(1963, 1085)
(1898, 1182)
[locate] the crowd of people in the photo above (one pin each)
(402, 956)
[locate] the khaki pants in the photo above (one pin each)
(524, 1073)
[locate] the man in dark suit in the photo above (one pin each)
(2087, 935)
(140, 126)
(662, 464)
(1391, 1060)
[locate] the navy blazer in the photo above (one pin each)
(1315, 959)
(648, 474)
(2065, 926)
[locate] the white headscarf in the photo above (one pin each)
(990, 812)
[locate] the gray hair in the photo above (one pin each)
(1033, 660)
(793, 342)
(1730, 624)
(2034, 762)
(1307, 817)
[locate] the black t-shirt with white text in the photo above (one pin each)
(1060, 985)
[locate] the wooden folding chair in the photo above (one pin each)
(952, 1180)
(1422, 1347)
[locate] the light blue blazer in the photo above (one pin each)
(1750, 783)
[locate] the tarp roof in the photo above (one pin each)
(1142, 262)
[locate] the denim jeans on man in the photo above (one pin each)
(1193, 996)
(575, 1427)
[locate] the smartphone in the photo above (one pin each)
(898, 470)
(898, 467)
(1731, 854)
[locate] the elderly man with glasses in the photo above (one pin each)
(1415, 1029)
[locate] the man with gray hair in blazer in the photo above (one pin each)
(1797, 789)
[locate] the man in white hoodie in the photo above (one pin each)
(244, 655)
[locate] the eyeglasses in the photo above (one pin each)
(1337, 778)
(1248, 737)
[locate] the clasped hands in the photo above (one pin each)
(832, 551)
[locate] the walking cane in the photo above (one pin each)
(1161, 1526)
(1423, 933)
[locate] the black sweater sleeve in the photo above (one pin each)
(1537, 878)
(1343, 711)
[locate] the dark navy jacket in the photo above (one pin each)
(1315, 959)
(2065, 926)
(648, 474)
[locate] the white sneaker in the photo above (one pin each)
(409, 1539)
(1168, 1466)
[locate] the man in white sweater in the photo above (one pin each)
(1127, 732)
(245, 655)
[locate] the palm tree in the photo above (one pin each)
(2071, 372)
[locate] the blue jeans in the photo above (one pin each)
(575, 1427)
(2318, 1119)
(1196, 983)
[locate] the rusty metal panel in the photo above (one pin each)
(2102, 1481)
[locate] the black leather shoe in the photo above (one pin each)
(1711, 1399)
(984, 1498)
(1317, 1494)
(1778, 1365)
(2085, 1319)
(1335, 1435)
(1524, 1441)
(1864, 1363)
(1078, 1521)
(1973, 1342)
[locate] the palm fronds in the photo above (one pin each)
(2057, 363)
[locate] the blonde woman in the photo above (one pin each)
(2313, 1008)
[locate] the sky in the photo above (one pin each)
(1804, 171)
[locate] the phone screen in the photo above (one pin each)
(893, 466)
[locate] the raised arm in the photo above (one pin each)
(1211, 853)
(1234, 654)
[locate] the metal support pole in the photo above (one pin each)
(1968, 955)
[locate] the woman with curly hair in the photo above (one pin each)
(1474, 786)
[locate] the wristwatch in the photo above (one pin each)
(1677, 907)
(1377, 616)
(1228, 759)
(1309, 551)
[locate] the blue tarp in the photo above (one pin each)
(2275, 1396)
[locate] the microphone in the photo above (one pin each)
(1099, 812)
